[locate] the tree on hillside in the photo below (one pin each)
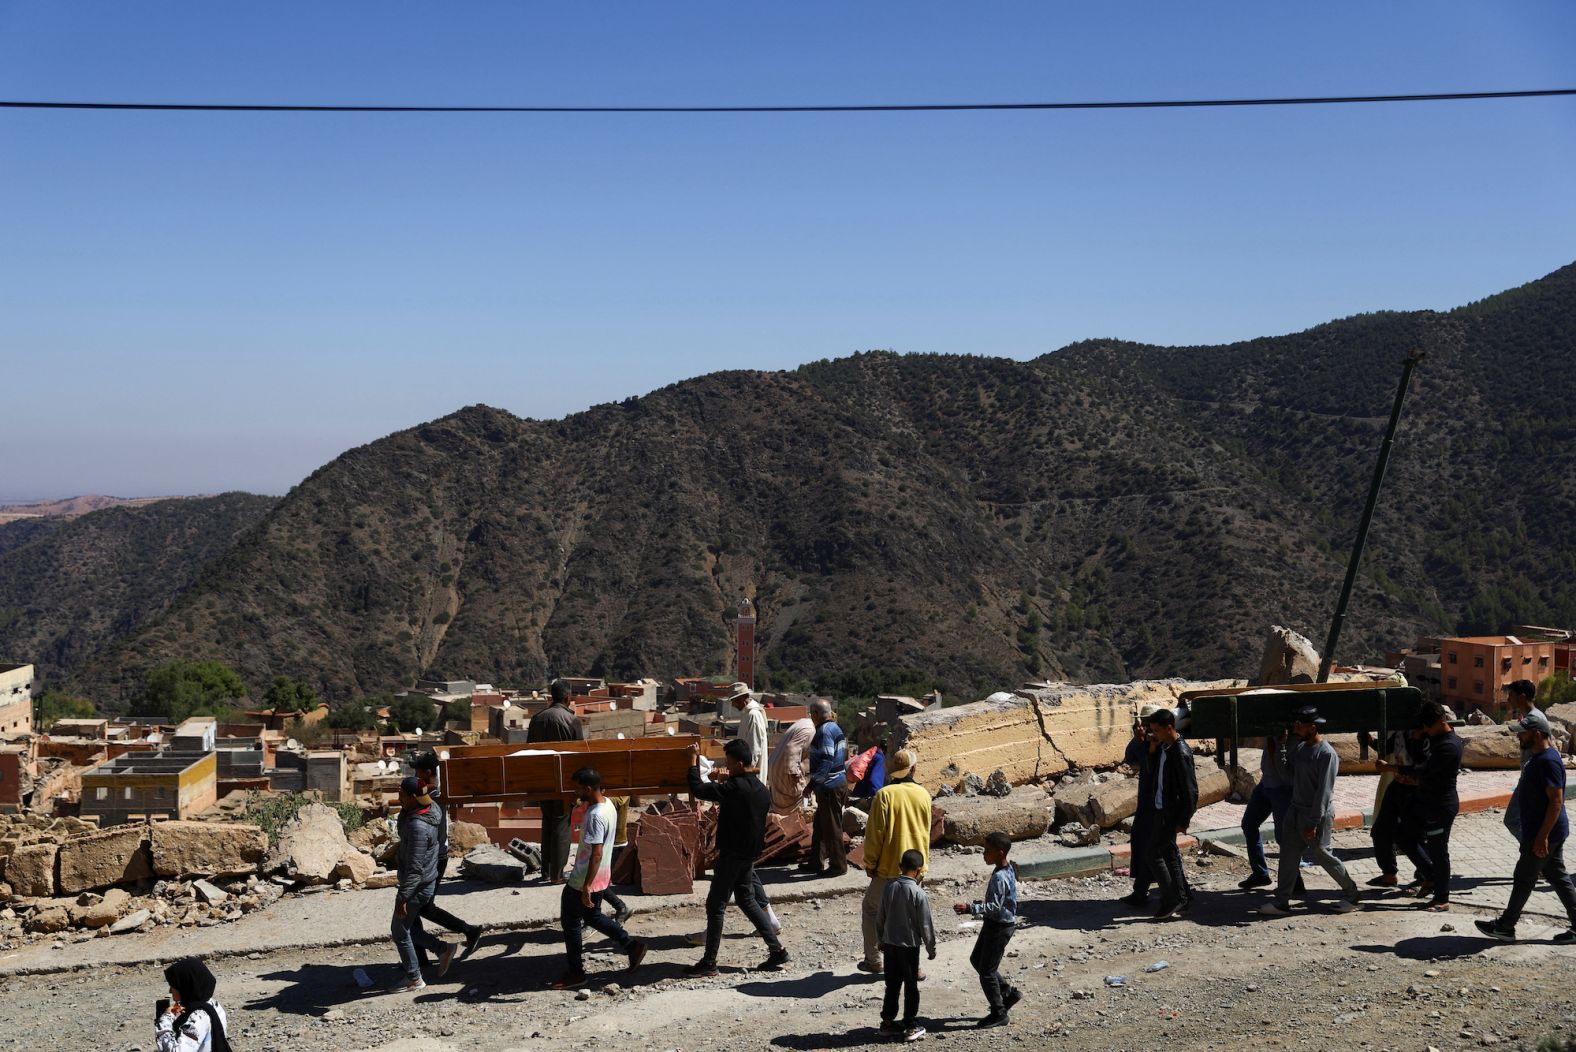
(178, 689)
(1557, 689)
(286, 695)
(408, 712)
(350, 716)
(458, 711)
(58, 705)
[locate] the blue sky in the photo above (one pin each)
(191, 303)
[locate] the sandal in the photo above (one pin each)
(1437, 907)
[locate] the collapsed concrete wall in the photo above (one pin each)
(1038, 733)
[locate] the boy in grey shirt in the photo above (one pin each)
(999, 911)
(1311, 771)
(903, 919)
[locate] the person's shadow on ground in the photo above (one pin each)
(315, 988)
(1433, 947)
(809, 987)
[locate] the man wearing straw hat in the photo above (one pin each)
(899, 822)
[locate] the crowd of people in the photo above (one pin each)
(1414, 812)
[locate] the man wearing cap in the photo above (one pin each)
(1425, 827)
(1521, 699)
(752, 724)
(1174, 799)
(425, 763)
(1311, 770)
(417, 868)
(829, 783)
(556, 723)
(1137, 757)
(899, 822)
(1545, 828)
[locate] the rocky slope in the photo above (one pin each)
(1109, 511)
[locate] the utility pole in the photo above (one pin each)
(1412, 361)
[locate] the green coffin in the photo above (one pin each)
(1346, 711)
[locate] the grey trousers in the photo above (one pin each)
(1291, 848)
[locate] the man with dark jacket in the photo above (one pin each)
(419, 819)
(742, 803)
(1431, 812)
(1137, 756)
(425, 764)
(1174, 799)
(556, 723)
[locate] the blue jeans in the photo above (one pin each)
(409, 934)
(575, 915)
(1264, 803)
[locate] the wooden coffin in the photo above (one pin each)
(653, 766)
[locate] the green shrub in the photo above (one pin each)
(270, 812)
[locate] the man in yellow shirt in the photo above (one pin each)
(899, 822)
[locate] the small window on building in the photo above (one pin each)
(101, 794)
(1527, 660)
(1452, 657)
(1543, 662)
(1477, 662)
(127, 794)
(1477, 687)
(1452, 683)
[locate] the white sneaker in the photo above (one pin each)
(1275, 909)
(406, 986)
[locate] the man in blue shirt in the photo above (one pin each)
(829, 783)
(1540, 799)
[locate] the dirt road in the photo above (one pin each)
(1388, 977)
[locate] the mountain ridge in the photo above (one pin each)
(1104, 511)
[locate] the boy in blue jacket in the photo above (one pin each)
(999, 911)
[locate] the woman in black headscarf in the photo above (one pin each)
(194, 1022)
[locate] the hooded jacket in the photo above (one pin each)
(420, 849)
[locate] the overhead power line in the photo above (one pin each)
(920, 107)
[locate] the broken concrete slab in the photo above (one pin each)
(210, 893)
(355, 866)
(31, 870)
(669, 847)
(101, 860)
(383, 878)
(1288, 657)
(1023, 814)
(130, 922)
(213, 849)
(1036, 733)
(1113, 801)
(309, 847)
(465, 835)
(492, 864)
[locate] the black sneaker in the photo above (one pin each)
(1136, 899)
(992, 1020)
(1494, 931)
(637, 953)
(1564, 938)
(701, 970)
(473, 937)
(1167, 909)
(1013, 997)
(889, 1026)
(1185, 905)
(1256, 880)
(774, 961)
(623, 913)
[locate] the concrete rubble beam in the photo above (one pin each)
(1038, 733)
